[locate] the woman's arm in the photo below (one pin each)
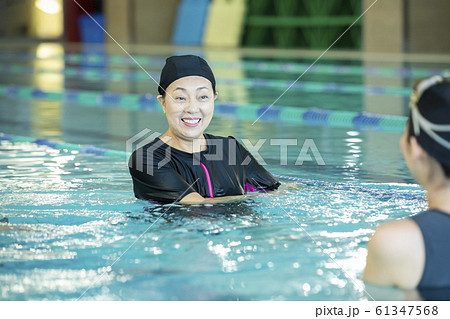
(196, 198)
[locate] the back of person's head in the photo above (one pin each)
(429, 119)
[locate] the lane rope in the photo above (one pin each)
(246, 112)
(89, 73)
(100, 59)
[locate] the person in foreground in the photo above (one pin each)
(415, 252)
(185, 164)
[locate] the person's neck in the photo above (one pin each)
(186, 145)
(438, 196)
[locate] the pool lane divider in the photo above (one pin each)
(250, 112)
(95, 74)
(103, 59)
(82, 149)
(381, 191)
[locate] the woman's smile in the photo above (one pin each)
(191, 121)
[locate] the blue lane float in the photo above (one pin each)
(269, 113)
(367, 120)
(317, 115)
(41, 141)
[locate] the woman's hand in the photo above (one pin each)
(196, 198)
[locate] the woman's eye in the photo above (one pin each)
(203, 97)
(180, 98)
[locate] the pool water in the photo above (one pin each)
(71, 216)
(71, 228)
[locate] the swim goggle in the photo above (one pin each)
(419, 122)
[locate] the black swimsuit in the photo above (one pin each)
(435, 228)
(165, 174)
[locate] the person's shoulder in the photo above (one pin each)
(216, 137)
(397, 250)
(155, 148)
(393, 237)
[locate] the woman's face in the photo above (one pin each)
(189, 106)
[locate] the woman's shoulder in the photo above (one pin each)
(217, 137)
(153, 148)
(394, 247)
(156, 142)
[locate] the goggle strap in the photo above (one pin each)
(427, 83)
(430, 128)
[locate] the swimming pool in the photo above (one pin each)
(72, 229)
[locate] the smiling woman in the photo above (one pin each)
(185, 164)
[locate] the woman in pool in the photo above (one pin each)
(415, 252)
(185, 164)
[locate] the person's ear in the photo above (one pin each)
(162, 102)
(417, 152)
(216, 95)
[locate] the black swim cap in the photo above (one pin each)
(430, 118)
(177, 67)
